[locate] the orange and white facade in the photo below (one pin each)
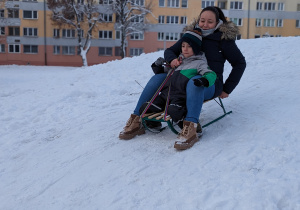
(29, 37)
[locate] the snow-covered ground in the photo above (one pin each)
(59, 146)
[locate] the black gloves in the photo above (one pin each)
(160, 61)
(157, 66)
(201, 82)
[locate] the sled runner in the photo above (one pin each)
(160, 117)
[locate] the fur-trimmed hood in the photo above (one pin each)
(229, 29)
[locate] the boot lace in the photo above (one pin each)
(128, 123)
(184, 132)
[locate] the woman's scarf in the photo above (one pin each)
(209, 31)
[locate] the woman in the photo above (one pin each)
(218, 44)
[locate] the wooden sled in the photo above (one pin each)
(159, 117)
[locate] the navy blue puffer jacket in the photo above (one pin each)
(218, 47)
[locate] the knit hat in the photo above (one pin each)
(194, 39)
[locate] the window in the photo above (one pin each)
(29, 14)
(137, 36)
(56, 49)
(207, 3)
(81, 32)
(161, 19)
(298, 7)
(2, 48)
(1, 13)
(13, 13)
(80, 1)
(105, 51)
(68, 50)
(278, 35)
(172, 36)
(257, 36)
(136, 51)
(269, 22)
(2, 30)
(106, 17)
(14, 31)
(297, 23)
(55, 33)
(30, 49)
(236, 5)
(183, 20)
(167, 36)
(138, 2)
(30, 31)
(105, 34)
(118, 51)
(137, 18)
(259, 5)
(14, 48)
(80, 16)
(68, 33)
(222, 5)
(118, 34)
(238, 37)
(280, 23)
(280, 6)
(266, 35)
(105, 2)
(173, 3)
(160, 36)
(184, 3)
(258, 22)
(172, 19)
(161, 3)
(269, 6)
(237, 21)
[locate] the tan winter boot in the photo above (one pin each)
(133, 127)
(188, 136)
(199, 130)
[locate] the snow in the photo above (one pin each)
(59, 146)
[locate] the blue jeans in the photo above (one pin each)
(149, 90)
(194, 98)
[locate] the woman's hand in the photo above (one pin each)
(223, 95)
(175, 63)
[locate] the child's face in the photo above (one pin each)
(186, 50)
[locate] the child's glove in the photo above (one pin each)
(201, 82)
(160, 61)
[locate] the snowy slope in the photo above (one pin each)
(59, 146)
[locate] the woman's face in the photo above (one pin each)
(207, 20)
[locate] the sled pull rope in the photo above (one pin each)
(157, 92)
(167, 104)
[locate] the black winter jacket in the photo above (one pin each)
(218, 47)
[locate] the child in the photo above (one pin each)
(193, 62)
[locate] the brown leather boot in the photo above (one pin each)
(133, 128)
(188, 136)
(199, 130)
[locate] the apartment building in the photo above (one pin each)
(28, 36)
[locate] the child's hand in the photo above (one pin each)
(175, 63)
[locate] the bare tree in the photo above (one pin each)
(130, 18)
(80, 14)
(11, 12)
